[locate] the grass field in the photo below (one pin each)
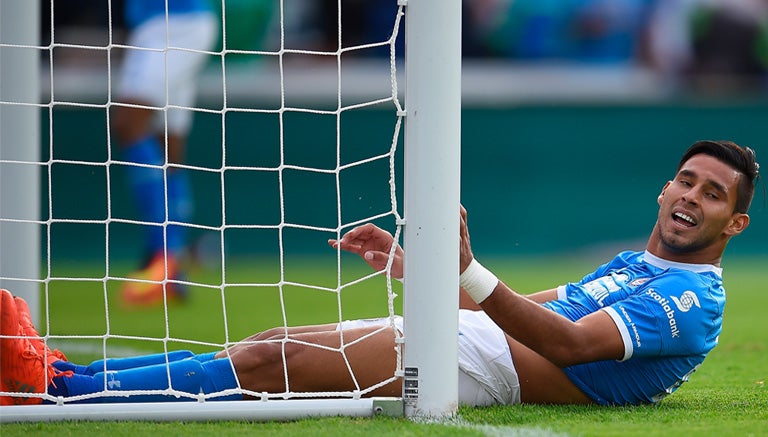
(727, 396)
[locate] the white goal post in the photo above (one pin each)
(20, 150)
(430, 222)
(432, 187)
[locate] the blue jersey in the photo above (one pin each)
(139, 11)
(669, 315)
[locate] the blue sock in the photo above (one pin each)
(186, 376)
(219, 375)
(74, 384)
(148, 187)
(133, 362)
(180, 208)
(66, 366)
(205, 357)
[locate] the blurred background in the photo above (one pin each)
(575, 113)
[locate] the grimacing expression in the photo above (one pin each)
(696, 208)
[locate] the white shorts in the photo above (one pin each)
(487, 375)
(143, 76)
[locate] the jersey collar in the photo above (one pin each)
(665, 264)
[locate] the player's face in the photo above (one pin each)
(696, 210)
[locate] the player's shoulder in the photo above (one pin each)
(688, 290)
(622, 260)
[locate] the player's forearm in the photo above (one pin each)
(543, 296)
(466, 302)
(544, 331)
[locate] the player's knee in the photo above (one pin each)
(129, 124)
(259, 366)
(261, 357)
(276, 333)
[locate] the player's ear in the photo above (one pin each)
(663, 190)
(738, 223)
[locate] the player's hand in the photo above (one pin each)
(465, 248)
(372, 244)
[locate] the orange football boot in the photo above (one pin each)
(151, 289)
(21, 368)
(28, 329)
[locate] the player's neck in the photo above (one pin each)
(711, 254)
(704, 256)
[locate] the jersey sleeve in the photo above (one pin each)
(621, 260)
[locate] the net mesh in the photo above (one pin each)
(285, 143)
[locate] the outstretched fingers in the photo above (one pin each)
(364, 238)
(373, 244)
(354, 240)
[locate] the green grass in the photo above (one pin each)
(727, 396)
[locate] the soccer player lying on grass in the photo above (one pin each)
(630, 332)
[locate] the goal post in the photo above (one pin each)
(431, 201)
(20, 151)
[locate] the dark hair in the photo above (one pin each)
(741, 159)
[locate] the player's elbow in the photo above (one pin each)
(580, 347)
(565, 354)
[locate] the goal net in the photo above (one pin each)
(296, 140)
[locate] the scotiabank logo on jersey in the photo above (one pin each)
(684, 303)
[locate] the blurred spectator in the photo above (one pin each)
(479, 20)
(362, 22)
(594, 30)
(573, 30)
(372, 21)
(711, 45)
(81, 14)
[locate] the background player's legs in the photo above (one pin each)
(147, 185)
(141, 145)
(165, 80)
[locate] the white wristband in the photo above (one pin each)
(478, 281)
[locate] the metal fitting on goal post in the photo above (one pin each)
(392, 407)
(402, 2)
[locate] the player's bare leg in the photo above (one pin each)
(316, 364)
(542, 382)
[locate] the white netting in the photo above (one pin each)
(80, 76)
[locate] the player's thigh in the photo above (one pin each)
(276, 334)
(152, 53)
(343, 360)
